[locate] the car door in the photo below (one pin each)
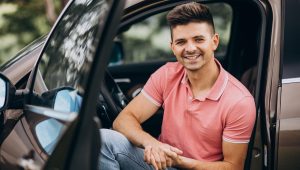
(287, 119)
(59, 128)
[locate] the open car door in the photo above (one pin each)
(59, 127)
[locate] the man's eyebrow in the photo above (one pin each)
(179, 39)
(199, 36)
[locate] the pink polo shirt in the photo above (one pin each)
(197, 126)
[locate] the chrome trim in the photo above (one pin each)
(63, 116)
(122, 80)
(291, 80)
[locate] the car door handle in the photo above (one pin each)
(256, 152)
(123, 80)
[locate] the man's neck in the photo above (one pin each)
(201, 81)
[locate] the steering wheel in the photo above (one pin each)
(111, 101)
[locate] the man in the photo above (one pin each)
(208, 114)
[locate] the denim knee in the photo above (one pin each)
(113, 140)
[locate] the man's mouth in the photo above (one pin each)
(191, 57)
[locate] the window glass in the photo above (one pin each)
(67, 57)
(149, 40)
(222, 15)
(48, 140)
(291, 54)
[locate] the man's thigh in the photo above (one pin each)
(116, 146)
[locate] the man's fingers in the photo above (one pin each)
(170, 153)
(169, 161)
(147, 154)
(153, 162)
(176, 150)
(163, 160)
(157, 159)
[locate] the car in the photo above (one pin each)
(58, 91)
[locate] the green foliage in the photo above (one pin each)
(21, 23)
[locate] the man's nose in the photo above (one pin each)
(190, 47)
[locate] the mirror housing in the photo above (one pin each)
(7, 92)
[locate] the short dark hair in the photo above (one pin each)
(190, 12)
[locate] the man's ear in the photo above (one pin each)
(215, 41)
(172, 46)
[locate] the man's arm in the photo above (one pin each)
(129, 122)
(234, 158)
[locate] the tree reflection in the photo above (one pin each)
(70, 50)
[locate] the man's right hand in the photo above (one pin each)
(157, 155)
(129, 123)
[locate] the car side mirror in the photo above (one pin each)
(64, 99)
(7, 92)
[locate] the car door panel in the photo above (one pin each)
(20, 148)
(67, 57)
(289, 129)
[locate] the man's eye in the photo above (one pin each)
(198, 40)
(179, 43)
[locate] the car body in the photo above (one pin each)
(50, 117)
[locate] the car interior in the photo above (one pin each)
(241, 57)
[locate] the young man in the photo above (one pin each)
(208, 114)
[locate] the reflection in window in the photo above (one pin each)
(47, 133)
(70, 50)
(67, 101)
(65, 64)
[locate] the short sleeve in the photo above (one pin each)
(154, 88)
(240, 121)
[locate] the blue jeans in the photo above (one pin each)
(118, 153)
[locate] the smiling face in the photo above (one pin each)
(194, 44)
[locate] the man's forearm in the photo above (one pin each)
(187, 163)
(132, 130)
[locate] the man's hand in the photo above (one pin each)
(234, 157)
(157, 155)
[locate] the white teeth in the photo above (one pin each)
(191, 57)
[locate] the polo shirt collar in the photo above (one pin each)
(219, 86)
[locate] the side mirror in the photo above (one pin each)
(64, 99)
(7, 92)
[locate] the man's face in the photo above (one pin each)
(194, 44)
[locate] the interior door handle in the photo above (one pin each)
(27, 162)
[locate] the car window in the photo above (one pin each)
(291, 53)
(67, 56)
(149, 39)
